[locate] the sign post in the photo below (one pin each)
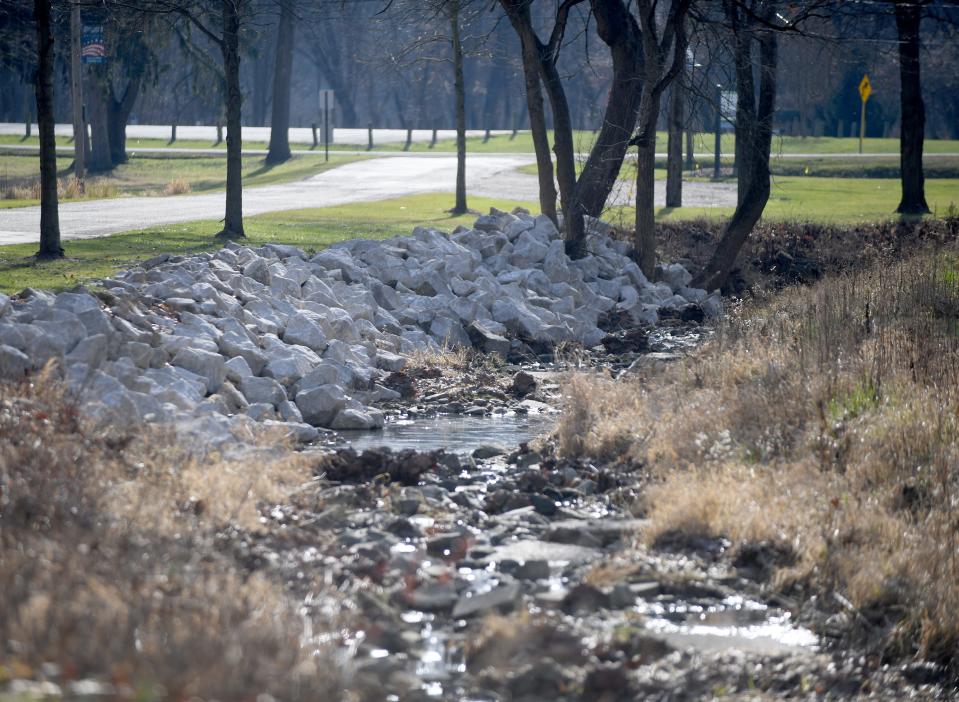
(326, 105)
(865, 90)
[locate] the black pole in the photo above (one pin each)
(326, 124)
(719, 125)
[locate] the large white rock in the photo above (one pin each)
(319, 405)
(209, 366)
(261, 390)
(301, 329)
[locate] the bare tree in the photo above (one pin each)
(49, 212)
(282, 76)
(752, 25)
(664, 55)
(453, 11)
(674, 147)
(912, 134)
(227, 40)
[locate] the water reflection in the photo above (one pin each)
(455, 434)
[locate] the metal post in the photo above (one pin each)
(76, 91)
(326, 124)
(862, 124)
(719, 125)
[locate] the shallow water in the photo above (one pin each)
(455, 434)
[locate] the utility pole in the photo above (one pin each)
(76, 93)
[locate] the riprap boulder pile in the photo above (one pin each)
(276, 335)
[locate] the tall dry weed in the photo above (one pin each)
(115, 561)
(826, 421)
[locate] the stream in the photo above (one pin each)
(523, 533)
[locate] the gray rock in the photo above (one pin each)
(357, 419)
(500, 598)
(303, 331)
(209, 366)
(320, 405)
(92, 351)
(14, 364)
(261, 390)
(484, 339)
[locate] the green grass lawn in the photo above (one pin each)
(150, 174)
(309, 228)
(830, 200)
(582, 139)
(827, 200)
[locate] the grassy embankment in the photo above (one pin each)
(819, 429)
(310, 229)
(152, 175)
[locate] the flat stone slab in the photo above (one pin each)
(536, 550)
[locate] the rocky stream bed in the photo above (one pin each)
(473, 563)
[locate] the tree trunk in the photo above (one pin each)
(644, 243)
(230, 48)
(565, 158)
(118, 113)
(755, 195)
(100, 158)
(283, 71)
(537, 123)
(76, 96)
(619, 31)
(49, 212)
(908, 19)
(460, 89)
(674, 148)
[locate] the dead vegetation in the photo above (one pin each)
(67, 189)
(824, 423)
(116, 563)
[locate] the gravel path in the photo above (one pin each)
(369, 180)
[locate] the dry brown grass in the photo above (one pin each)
(177, 186)
(826, 421)
(67, 189)
(116, 561)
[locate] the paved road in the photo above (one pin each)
(362, 181)
(298, 135)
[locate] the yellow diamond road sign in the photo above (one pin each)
(865, 88)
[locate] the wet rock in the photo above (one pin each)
(452, 546)
(585, 599)
(544, 505)
(488, 451)
(406, 506)
(608, 683)
(404, 529)
(401, 383)
(542, 680)
(501, 598)
(523, 384)
(405, 467)
(634, 340)
(533, 570)
(534, 549)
